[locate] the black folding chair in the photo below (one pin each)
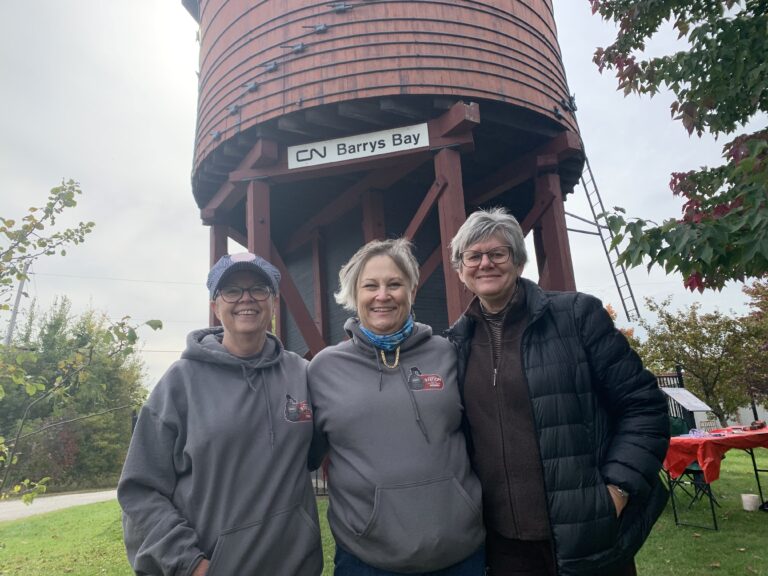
(691, 483)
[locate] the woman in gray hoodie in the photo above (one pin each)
(403, 498)
(215, 481)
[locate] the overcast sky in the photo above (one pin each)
(105, 92)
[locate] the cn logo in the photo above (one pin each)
(308, 154)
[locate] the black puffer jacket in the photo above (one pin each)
(600, 418)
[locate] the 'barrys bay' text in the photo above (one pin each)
(358, 146)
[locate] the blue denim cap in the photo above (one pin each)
(243, 261)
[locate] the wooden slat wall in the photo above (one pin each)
(502, 50)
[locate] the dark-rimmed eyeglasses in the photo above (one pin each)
(232, 294)
(498, 255)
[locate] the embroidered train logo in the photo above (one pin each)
(419, 381)
(296, 411)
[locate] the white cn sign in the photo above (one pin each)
(358, 146)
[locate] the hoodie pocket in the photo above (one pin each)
(421, 526)
(286, 543)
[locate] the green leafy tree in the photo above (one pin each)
(710, 348)
(88, 422)
(21, 242)
(720, 83)
(754, 368)
(38, 234)
(35, 235)
(76, 425)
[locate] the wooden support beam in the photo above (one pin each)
(509, 176)
(326, 118)
(542, 200)
(553, 253)
(373, 216)
(218, 248)
(218, 235)
(238, 237)
(300, 126)
(524, 168)
(379, 179)
(224, 201)
(295, 303)
(400, 108)
(320, 285)
(257, 218)
(426, 205)
(364, 112)
(460, 118)
(430, 265)
(263, 153)
(451, 210)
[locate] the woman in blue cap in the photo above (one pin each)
(216, 481)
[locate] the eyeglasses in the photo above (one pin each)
(498, 255)
(232, 294)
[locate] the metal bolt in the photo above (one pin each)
(296, 48)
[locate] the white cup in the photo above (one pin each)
(750, 502)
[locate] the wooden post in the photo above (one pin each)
(257, 218)
(318, 278)
(373, 216)
(218, 246)
(550, 237)
(452, 215)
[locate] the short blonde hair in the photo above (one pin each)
(400, 250)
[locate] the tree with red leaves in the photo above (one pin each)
(720, 83)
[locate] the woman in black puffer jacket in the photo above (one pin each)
(568, 431)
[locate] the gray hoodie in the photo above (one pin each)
(217, 467)
(402, 495)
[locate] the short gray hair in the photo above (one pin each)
(400, 250)
(483, 224)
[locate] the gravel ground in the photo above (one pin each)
(14, 509)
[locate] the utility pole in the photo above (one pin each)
(15, 309)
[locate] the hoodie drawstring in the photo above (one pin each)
(381, 371)
(266, 402)
(414, 405)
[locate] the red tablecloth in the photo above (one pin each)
(709, 450)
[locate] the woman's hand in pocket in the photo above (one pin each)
(619, 497)
(202, 568)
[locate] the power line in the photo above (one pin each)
(86, 416)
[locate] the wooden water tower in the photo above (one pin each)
(322, 125)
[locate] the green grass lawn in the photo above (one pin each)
(87, 540)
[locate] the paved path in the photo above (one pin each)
(14, 509)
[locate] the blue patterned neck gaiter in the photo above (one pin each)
(389, 342)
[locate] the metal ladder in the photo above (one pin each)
(600, 223)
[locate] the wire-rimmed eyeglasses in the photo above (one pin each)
(498, 255)
(232, 294)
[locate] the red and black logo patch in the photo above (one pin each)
(419, 381)
(296, 411)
